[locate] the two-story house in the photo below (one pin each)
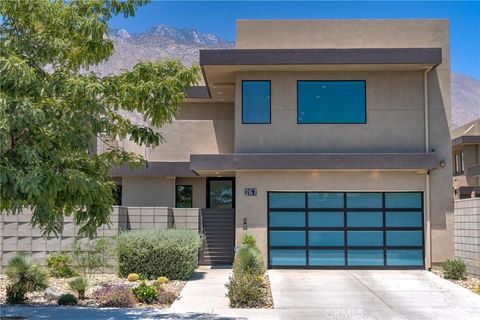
(328, 140)
(466, 160)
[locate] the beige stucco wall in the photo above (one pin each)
(148, 191)
(255, 208)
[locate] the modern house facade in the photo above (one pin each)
(466, 160)
(328, 140)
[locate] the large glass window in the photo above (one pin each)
(255, 101)
(183, 196)
(331, 102)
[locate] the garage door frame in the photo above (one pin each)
(345, 228)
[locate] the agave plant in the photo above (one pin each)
(79, 285)
(249, 260)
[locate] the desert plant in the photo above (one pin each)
(91, 257)
(162, 280)
(79, 285)
(67, 299)
(153, 253)
(166, 297)
(477, 289)
(249, 260)
(249, 240)
(59, 265)
(454, 269)
(132, 277)
(246, 290)
(25, 276)
(145, 293)
(115, 296)
(15, 294)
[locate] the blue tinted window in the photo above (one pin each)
(325, 219)
(287, 200)
(325, 200)
(287, 219)
(365, 238)
(287, 238)
(255, 101)
(365, 257)
(403, 200)
(404, 238)
(326, 238)
(403, 219)
(288, 257)
(365, 219)
(404, 257)
(364, 200)
(331, 102)
(326, 257)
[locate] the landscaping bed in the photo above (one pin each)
(471, 283)
(97, 281)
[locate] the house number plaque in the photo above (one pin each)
(250, 192)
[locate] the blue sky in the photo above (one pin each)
(219, 17)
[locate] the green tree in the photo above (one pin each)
(52, 109)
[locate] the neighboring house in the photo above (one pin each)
(328, 140)
(466, 160)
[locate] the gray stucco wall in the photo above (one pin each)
(467, 233)
(148, 192)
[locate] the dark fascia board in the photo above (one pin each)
(314, 161)
(429, 56)
(465, 140)
(155, 168)
(197, 92)
(473, 171)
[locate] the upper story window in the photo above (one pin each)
(459, 163)
(331, 102)
(256, 102)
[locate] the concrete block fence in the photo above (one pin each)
(17, 234)
(467, 233)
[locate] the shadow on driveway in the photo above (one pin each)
(81, 313)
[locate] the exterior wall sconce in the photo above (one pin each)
(442, 163)
(245, 225)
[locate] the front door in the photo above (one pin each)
(218, 222)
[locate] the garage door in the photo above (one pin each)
(345, 230)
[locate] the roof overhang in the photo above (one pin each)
(220, 65)
(155, 169)
(465, 140)
(314, 161)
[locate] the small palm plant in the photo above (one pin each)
(80, 286)
(25, 276)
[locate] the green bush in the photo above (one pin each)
(249, 260)
(145, 293)
(59, 265)
(153, 253)
(246, 290)
(25, 276)
(249, 240)
(454, 269)
(79, 285)
(67, 299)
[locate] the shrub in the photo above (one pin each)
(166, 297)
(80, 286)
(59, 265)
(162, 280)
(25, 276)
(132, 277)
(153, 253)
(246, 290)
(249, 240)
(249, 260)
(67, 299)
(93, 256)
(477, 289)
(145, 293)
(15, 294)
(115, 296)
(454, 269)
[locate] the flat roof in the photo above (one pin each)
(155, 168)
(465, 140)
(427, 56)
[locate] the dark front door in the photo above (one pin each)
(218, 222)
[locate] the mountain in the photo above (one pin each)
(184, 44)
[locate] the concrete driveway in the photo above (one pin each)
(367, 294)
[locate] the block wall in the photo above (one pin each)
(467, 233)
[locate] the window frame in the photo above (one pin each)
(176, 195)
(319, 80)
(269, 105)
